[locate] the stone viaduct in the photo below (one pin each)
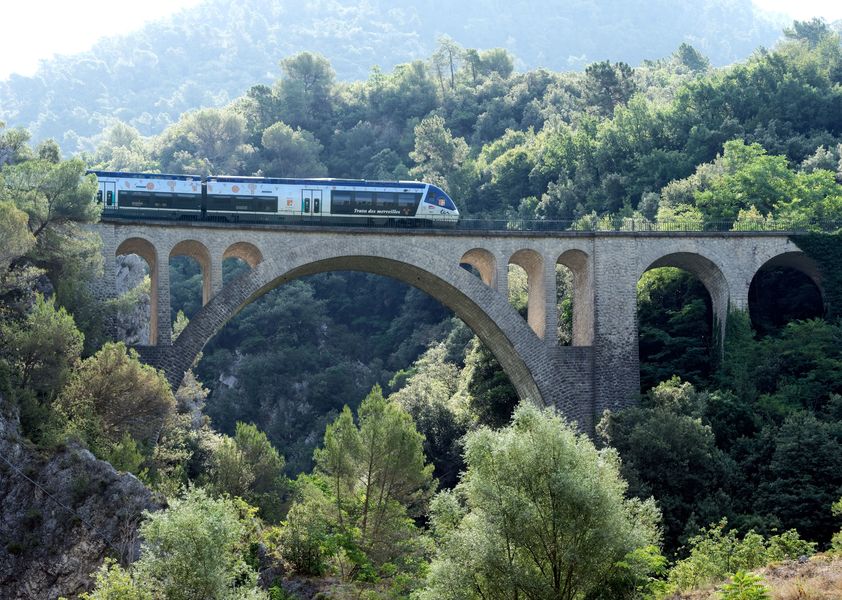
(599, 371)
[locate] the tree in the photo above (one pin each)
(305, 91)
(205, 141)
(437, 153)
(810, 32)
(794, 492)
(112, 393)
(43, 348)
(668, 453)
(539, 513)
(249, 467)
(14, 145)
(51, 194)
(17, 239)
(607, 86)
(193, 549)
(374, 479)
(429, 397)
(291, 153)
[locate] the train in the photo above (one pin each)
(265, 199)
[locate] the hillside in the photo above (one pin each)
(208, 55)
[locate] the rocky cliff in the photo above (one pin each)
(61, 513)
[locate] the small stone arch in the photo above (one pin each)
(800, 262)
(583, 295)
(147, 251)
(484, 262)
(199, 252)
(533, 263)
(797, 261)
(248, 253)
(711, 277)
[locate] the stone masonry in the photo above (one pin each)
(599, 371)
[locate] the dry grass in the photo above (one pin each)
(819, 578)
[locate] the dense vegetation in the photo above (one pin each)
(728, 461)
(208, 55)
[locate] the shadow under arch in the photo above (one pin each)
(145, 250)
(711, 277)
(796, 261)
(486, 311)
(200, 253)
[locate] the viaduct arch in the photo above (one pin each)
(599, 371)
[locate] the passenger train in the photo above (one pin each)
(258, 199)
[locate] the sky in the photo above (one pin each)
(34, 30)
(38, 29)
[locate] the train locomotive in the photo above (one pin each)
(258, 199)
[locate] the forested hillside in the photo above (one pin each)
(319, 424)
(212, 53)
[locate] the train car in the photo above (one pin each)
(259, 199)
(150, 194)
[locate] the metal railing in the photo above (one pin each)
(585, 225)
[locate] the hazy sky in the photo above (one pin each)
(37, 29)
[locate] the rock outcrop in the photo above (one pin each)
(132, 319)
(61, 514)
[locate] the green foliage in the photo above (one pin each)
(249, 467)
(718, 552)
(51, 194)
(826, 250)
(675, 327)
(192, 549)
(538, 512)
(438, 154)
(126, 456)
(430, 397)
(203, 142)
(670, 454)
(113, 582)
(17, 239)
(745, 586)
(354, 518)
(291, 153)
(836, 542)
(43, 348)
(491, 396)
(112, 394)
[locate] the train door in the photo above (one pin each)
(110, 189)
(311, 202)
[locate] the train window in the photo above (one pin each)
(99, 197)
(341, 202)
(363, 199)
(109, 198)
(387, 200)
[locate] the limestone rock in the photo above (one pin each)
(46, 550)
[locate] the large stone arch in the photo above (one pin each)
(145, 250)
(200, 253)
(487, 312)
(711, 276)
